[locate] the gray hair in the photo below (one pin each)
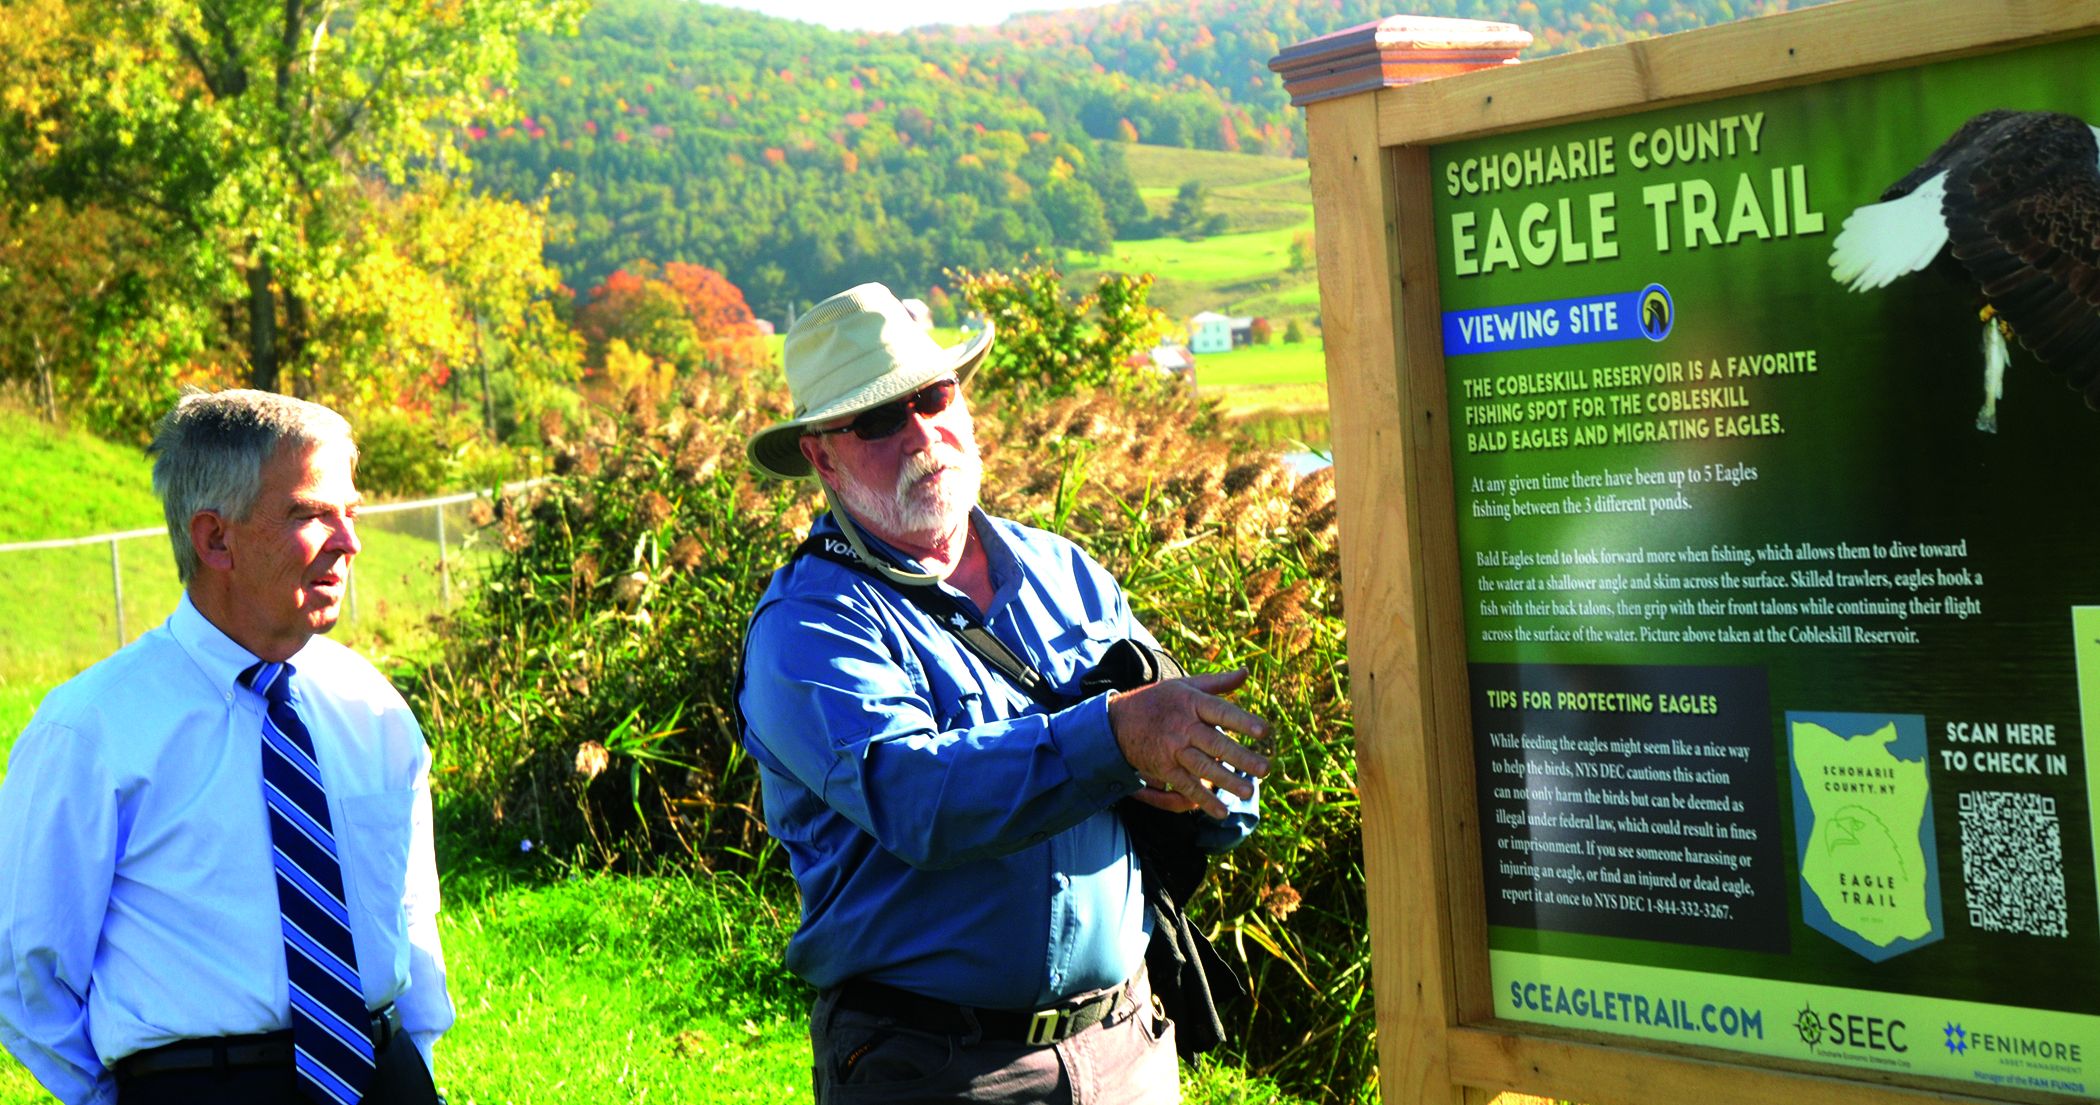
(209, 454)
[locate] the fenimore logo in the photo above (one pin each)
(2020, 1048)
(1957, 1040)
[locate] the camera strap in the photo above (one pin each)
(949, 613)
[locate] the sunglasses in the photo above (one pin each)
(877, 423)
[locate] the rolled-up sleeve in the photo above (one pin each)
(59, 827)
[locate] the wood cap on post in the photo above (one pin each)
(1396, 50)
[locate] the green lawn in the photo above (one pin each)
(1265, 365)
(1224, 259)
(1167, 166)
(1274, 393)
(619, 989)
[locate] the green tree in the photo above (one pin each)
(1191, 217)
(1301, 256)
(242, 135)
(55, 265)
(1050, 344)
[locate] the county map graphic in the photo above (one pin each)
(1869, 866)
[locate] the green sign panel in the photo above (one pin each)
(1777, 489)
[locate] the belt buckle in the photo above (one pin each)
(1046, 1027)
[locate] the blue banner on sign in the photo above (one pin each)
(1618, 316)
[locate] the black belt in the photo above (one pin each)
(1038, 1027)
(266, 1049)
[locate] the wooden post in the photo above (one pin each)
(1386, 401)
(116, 583)
(444, 562)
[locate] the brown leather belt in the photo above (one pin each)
(1038, 1027)
(267, 1049)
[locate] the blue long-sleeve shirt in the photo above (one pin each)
(951, 836)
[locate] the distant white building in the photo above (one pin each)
(1172, 358)
(1211, 332)
(1167, 360)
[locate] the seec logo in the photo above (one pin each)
(1852, 1031)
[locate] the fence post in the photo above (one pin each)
(444, 568)
(116, 583)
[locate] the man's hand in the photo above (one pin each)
(1170, 732)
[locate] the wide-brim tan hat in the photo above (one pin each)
(857, 350)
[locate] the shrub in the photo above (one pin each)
(1048, 345)
(402, 455)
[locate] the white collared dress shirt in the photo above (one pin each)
(137, 901)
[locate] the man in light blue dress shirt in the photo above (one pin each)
(973, 915)
(144, 949)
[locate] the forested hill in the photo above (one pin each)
(793, 158)
(1219, 50)
(798, 160)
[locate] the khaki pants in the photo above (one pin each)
(1127, 1059)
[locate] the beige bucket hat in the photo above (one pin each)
(855, 351)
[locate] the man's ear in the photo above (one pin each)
(819, 457)
(208, 534)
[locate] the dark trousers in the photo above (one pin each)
(402, 1078)
(864, 1059)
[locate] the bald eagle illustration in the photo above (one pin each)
(2009, 206)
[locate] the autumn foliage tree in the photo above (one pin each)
(688, 316)
(241, 136)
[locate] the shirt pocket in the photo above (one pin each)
(375, 870)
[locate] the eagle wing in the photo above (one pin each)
(2023, 217)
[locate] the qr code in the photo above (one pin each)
(2012, 861)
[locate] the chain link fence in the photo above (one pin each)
(68, 602)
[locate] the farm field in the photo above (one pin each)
(1265, 202)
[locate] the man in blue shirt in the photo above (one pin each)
(972, 912)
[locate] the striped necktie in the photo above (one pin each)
(331, 1029)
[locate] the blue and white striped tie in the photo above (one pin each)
(331, 1029)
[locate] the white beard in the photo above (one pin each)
(919, 508)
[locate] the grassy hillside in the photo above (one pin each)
(1265, 201)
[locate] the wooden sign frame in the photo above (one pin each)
(1439, 1041)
